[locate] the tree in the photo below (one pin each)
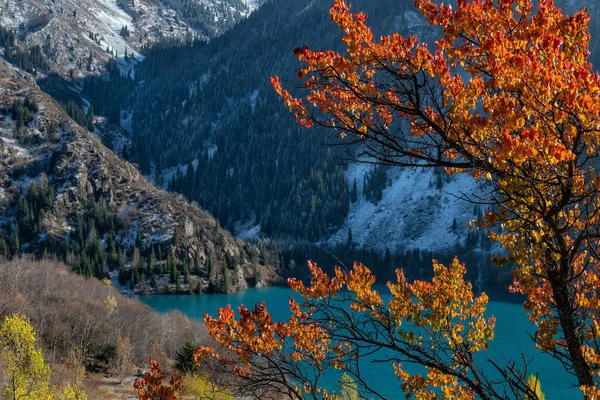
(211, 268)
(197, 262)
(71, 392)
(201, 387)
(3, 249)
(124, 360)
(534, 383)
(508, 97)
(152, 260)
(151, 386)
(332, 329)
(15, 245)
(184, 360)
(354, 192)
(27, 374)
(348, 388)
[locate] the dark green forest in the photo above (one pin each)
(215, 107)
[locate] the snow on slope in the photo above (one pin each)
(252, 5)
(112, 19)
(413, 213)
(79, 36)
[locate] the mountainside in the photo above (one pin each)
(417, 209)
(213, 129)
(252, 167)
(212, 17)
(78, 37)
(215, 116)
(63, 192)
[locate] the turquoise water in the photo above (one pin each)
(510, 340)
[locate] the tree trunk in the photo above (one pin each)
(569, 328)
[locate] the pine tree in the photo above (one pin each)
(211, 268)
(138, 238)
(135, 278)
(3, 249)
(176, 238)
(121, 259)
(15, 244)
(152, 260)
(172, 267)
(177, 282)
(354, 192)
(184, 359)
(186, 271)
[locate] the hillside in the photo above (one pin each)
(216, 111)
(77, 37)
(63, 192)
(92, 336)
(215, 116)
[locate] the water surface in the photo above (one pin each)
(511, 337)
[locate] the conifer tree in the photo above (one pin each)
(3, 249)
(354, 192)
(15, 245)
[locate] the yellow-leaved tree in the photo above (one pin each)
(27, 374)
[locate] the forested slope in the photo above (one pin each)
(64, 193)
(213, 105)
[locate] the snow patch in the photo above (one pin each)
(413, 213)
(246, 231)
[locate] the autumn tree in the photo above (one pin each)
(28, 375)
(200, 387)
(152, 387)
(124, 360)
(506, 95)
(348, 388)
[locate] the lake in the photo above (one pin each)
(510, 339)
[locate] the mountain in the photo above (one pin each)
(204, 121)
(77, 37)
(252, 167)
(201, 119)
(64, 193)
(213, 129)
(212, 17)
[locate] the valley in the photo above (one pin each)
(145, 157)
